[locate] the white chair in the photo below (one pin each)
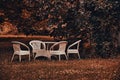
(18, 51)
(39, 49)
(60, 50)
(74, 48)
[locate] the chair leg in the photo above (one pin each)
(33, 54)
(34, 57)
(12, 57)
(66, 56)
(29, 57)
(59, 58)
(79, 55)
(49, 57)
(19, 58)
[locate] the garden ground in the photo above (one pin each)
(44, 69)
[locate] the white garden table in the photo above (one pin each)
(48, 43)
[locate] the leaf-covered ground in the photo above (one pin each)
(44, 69)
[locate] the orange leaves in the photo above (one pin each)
(8, 28)
(25, 14)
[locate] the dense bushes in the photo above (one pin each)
(93, 21)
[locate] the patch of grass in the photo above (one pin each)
(87, 69)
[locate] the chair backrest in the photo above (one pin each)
(61, 44)
(36, 44)
(17, 44)
(77, 43)
(16, 47)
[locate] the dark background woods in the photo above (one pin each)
(96, 23)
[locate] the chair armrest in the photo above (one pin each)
(51, 48)
(17, 42)
(74, 44)
(55, 44)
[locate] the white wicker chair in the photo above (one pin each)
(18, 51)
(39, 49)
(61, 49)
(74, 48)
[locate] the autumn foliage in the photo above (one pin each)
(93, 21)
